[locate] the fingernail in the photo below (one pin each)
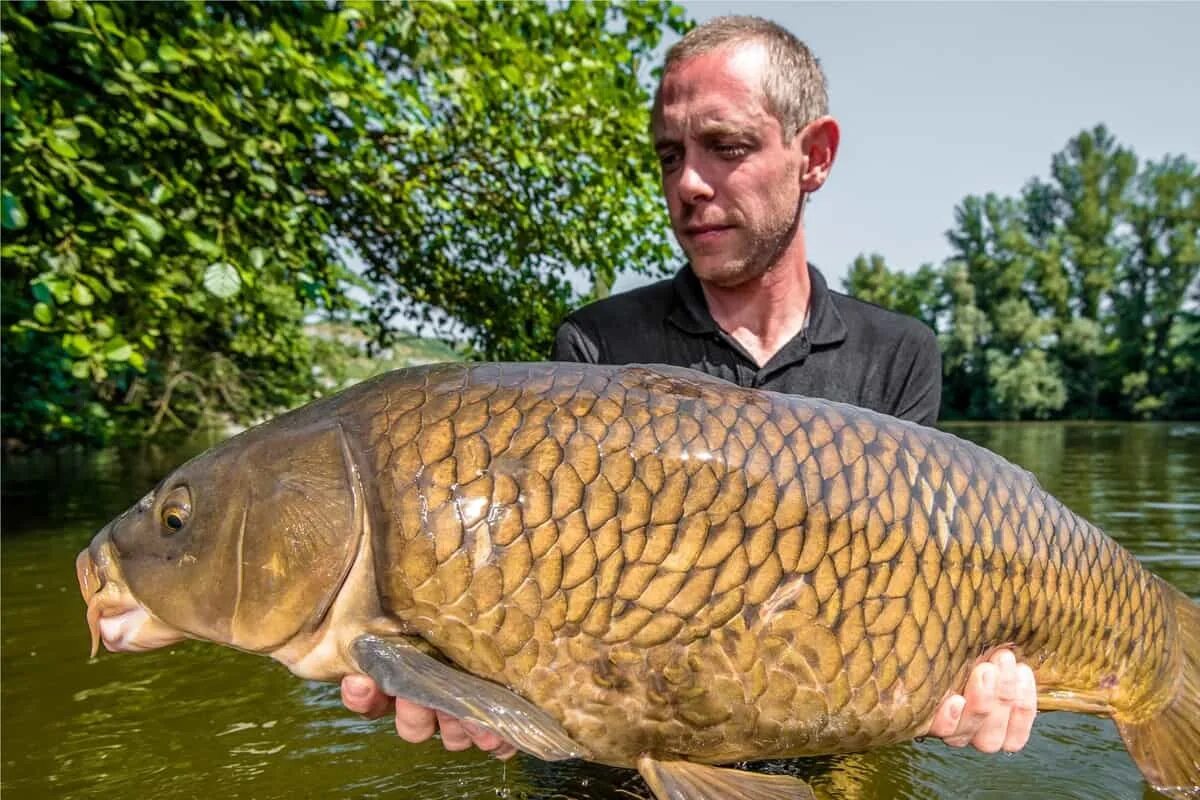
(357, 690)
(956, 708)
(471, 728)
(989, 681)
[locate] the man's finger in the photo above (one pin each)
(980, 696)
(362, 696)
(489, 741)
(945, 719)
(454, 736)
(994, 728)
(481, 737)
(1020, 721)
(414, 723)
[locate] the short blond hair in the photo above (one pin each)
(793, 85)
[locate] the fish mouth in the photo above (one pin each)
(114, 616)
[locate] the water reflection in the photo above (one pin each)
(197, 719)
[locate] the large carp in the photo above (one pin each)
(648, 567)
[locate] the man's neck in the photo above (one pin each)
(765, 313)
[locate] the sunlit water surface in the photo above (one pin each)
(197, 720)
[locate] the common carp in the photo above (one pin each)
(650, 568)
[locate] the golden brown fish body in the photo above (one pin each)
(674, 567)
(678, 565)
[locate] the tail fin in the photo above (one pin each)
(1166, 747)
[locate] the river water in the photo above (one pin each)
(197, 720)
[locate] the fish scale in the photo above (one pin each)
(891, 596)
(648, 567)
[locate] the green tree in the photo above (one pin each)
(1158, 293)
(995, 255)
(184, 185)
(916, 294)
(1077, 220)
(522, 179)
(1077, 298)
(160, 250)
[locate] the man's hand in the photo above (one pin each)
(416, 723)
(997, 711)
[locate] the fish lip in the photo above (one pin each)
(102, 590)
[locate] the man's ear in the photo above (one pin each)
(819, 143)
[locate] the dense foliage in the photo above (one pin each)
(1078, 299)
(184, 185)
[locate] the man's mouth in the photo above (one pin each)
(706, 233)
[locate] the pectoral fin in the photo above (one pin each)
(402, 670)
(683, 780)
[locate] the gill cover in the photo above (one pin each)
(300, 533)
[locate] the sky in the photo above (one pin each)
(937, 101)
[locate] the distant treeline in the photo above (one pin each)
(187, 187)
(1078, 299)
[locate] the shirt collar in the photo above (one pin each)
(691, 314)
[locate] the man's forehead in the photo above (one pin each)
(715, 90)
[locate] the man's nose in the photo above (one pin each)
(693, 186)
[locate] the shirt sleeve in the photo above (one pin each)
(921, 398)
(571, 344)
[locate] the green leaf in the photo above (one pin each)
(202, 244)
(117, 349)
(60, 288)
(13, 218)
(172, 120)
(170, 53)
(65, 129)
(43, 313)
(339, 100)
(132, 47)
(266, 182)
(222, 280)
(97, 128)
(61, 146)
(161, 194)
(258, 257)
(209, 137)
(82, 295)
(61, 9)
(76, 344)
(81, 369)
(148, 226)
(522, 159)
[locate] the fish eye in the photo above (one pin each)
(174, 518)
(176, 510)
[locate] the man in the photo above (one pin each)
(743, 135)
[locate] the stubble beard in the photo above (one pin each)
(759, 254)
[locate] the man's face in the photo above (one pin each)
(732, 184)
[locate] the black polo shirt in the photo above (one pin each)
(851, 351)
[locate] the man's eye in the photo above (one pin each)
(667, 160)
(731, 150)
